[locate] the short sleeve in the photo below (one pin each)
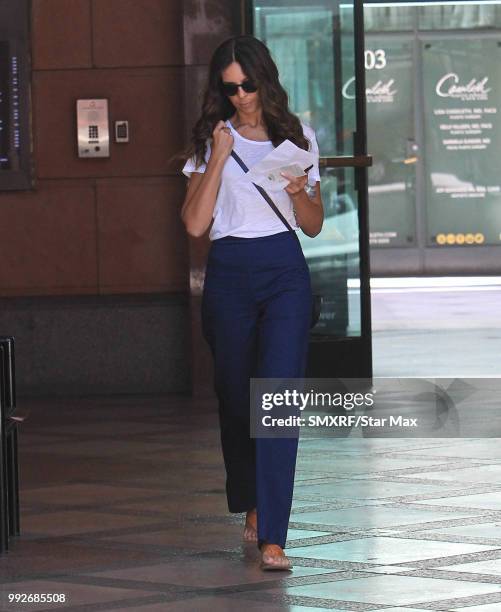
(314, 173)
(190, 165)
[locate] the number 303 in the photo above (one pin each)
(375, 59)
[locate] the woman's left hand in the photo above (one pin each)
(296, 183)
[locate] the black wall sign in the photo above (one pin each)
(15, 159)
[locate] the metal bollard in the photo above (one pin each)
(9, 468)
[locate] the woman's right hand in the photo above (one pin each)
(222, 141)
(198, 207)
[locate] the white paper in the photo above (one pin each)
(287, 157)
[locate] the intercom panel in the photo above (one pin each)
(93, 128)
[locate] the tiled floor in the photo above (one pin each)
(123, 508)
(123, 504)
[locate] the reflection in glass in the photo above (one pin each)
(458, 186)
(435, 16)
(307, 42)
(459, 17)
(462, 90)
(388, 18)
(333, 255)
(392, 177)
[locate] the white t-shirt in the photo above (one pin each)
(240, 210)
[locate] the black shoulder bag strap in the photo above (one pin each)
(242, 165)
(317, 299)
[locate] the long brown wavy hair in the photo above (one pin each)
(258, 65)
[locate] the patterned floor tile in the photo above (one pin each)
(374, 516)
(489, 566)
(494, 607)
(485, 501)
(385, 550)
(401, 590)
(129, 522)
(206, 572)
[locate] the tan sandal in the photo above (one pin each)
(284, 565)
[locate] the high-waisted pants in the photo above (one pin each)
(256, 311)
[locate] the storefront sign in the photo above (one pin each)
(390, 141)
(462, 90)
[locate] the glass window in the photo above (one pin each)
(383, 17)
(333, 255)
(388, 18)
(305, 42)
(389, 77)
(312, 43)
(462, 90)
(458, 17)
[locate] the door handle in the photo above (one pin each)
(412, 151)
(346, 161)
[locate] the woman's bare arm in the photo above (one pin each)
(309, 210)
(198, 206)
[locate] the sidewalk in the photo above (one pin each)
(436, 327)
(123, 504)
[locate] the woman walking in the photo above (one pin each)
(257, 300)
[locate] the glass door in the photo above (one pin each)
(433, 89)
(319, 50)
(390, 62)
(462, 133)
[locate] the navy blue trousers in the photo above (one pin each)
(256, 311)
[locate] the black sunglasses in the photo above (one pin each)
(231, 89)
